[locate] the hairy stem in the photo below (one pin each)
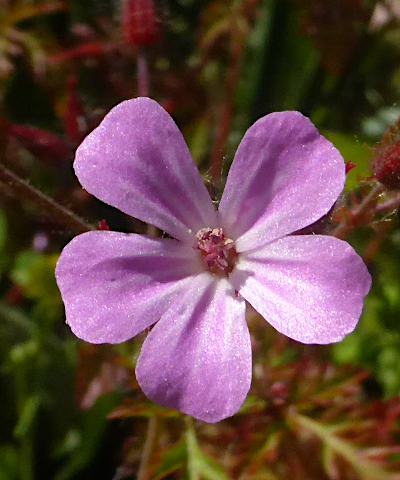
(346, 227)
(59, 214)
(232, 81)
(390, 204)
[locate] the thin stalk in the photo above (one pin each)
(143, 74)
(59, 214)
(192, 447)
(147, 453)
(345, 227)
(388, 206)
(232, 81)
(143, 86)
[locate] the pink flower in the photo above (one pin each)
(197, 358)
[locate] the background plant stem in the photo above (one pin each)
(151, 435)
(57, 213)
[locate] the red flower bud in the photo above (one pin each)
(386, 159)
(349, 167)
(102, 225)
(141, 24)
(386, 166)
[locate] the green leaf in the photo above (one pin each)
(171, 460)
(376, 341)
(198, 138)
(199, 465)
(132, 408)
(28, 415)
(34, 272)
(353, 151)
(8, 463)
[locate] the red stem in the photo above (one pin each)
(225, 119)
(143, 74)
(58, 213)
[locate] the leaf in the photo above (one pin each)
(199, 465)
(34, 272)
(353, 151)
(9, 465)
(171, 460)
(26, 12)
(132, 408)
(252, 404)
(28, 415)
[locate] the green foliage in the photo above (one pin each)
(34, 273)
(355, 151)
(199, 465)
(8, 463)
(376, 341)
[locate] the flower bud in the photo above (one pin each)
(141, 24)
(385, 163)
(102, 225)
(386, 166)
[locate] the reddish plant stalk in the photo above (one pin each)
(74, 111)
(390, 205)
(59, 214)
(143, 74)
(225, 117)
(349, 223)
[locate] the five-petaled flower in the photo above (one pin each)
(193, 287)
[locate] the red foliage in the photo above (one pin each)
(43, 144)
(87, 50)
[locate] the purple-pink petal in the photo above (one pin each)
(310, 288)
(138, 161)
(285, 176)
(197, 358)
(114, 285)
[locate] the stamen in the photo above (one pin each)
(217, 250)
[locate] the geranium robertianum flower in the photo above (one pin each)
(197, 357)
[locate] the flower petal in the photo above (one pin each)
(285, 176)
(310, 288)
(138, 161)
(197, 358)
(114, 285)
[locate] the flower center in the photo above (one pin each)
(217, 250)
